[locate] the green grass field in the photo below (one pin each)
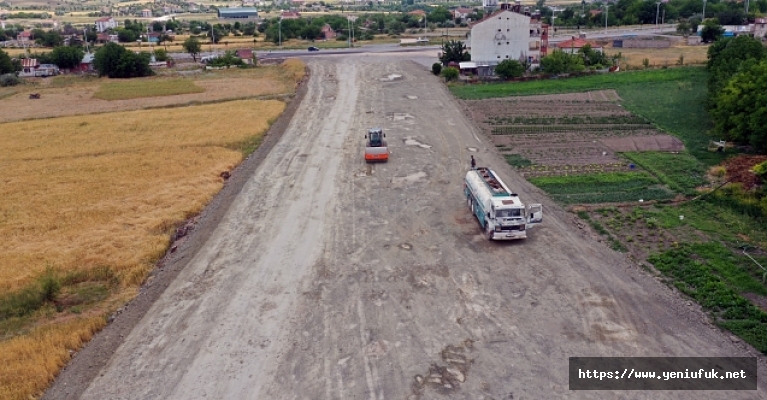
(138, 88)
(603, 187)
(681, 172)
(716, 277)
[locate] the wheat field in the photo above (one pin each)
(99, 195)
(106, 189)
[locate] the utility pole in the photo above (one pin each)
(657, 10)
(606, 11)
(552, 22)
(280, 32)
(704, 10)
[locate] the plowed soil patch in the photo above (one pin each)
(739, 170)
(644, 143)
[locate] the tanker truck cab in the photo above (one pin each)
(500, 212)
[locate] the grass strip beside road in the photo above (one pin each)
(146, 87)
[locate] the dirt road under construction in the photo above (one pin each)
(331, 279)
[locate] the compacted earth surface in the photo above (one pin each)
(329, 278)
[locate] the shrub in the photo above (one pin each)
(450, 73)
(9, 80)
(226, 60)
(436, 68)
(509, 69)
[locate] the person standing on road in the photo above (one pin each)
(473, 163)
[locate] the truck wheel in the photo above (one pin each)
(489, 232)
(468, 202)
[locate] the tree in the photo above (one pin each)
(66, 57)
(439, 14)
(47, 39)
(711, 31)
(216, 33)
(450, 73)
(684, 28)
(116, 61)
(509, 69)
(593, 58)
(157, 26)
(192, 46)
(725, 58)
(731, 17)
(6, 66)
(126, 35)
(740, 114)
(454, 51)
(559, 62)
(310, 32)
(436, 68)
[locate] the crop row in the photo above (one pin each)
(645, 194)
(571, 120)
(681, 172)
(603, 187)
(511, 130)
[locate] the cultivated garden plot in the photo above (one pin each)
(564, 134)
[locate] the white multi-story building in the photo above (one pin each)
(507, 35)
(102, 24)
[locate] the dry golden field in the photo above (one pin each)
(661, 57)
(88, 204)
(63, 95)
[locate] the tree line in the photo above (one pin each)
(737, 90)
(636, 12)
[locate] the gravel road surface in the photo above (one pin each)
(331, 279)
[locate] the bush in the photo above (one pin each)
(509, 69)
(9, 80)
(450, 73)
(160, 55)
(228, 59)
(436, 68)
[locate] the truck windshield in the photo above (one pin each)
(516, 212)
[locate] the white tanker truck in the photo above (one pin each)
(501, 213)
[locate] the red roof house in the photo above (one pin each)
(575, 44)
(290, 15)
(328, 32)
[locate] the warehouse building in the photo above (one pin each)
(238, 13)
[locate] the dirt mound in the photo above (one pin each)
(739, 170)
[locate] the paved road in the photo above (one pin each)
(434, 46)
(332, 279)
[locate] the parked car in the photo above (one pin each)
(314, 48)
